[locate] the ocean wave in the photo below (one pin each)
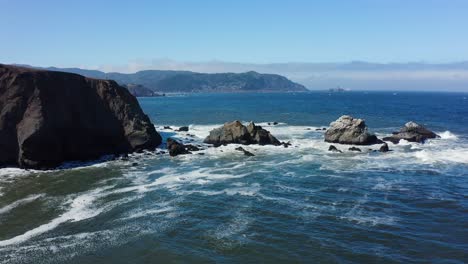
(20, 202)
(80, 208)
(447, 135)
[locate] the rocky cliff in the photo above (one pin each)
(49, 117)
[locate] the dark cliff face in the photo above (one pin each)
(48, 117)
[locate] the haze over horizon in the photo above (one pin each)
(308, 42)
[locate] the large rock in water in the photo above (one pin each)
(49, 117)
(237, 133)
(412, 132)
(349, 130)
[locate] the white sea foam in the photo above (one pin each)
(447, 135)
(232, 233)
(443, 156)
(20, 202)
(80, 209)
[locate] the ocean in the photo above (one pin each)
(301, 204)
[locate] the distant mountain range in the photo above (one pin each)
(355, 75)
(189, 82)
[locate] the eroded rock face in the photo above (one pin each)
(49, 117)
(236, 133)
(411, 132)
(349, 130)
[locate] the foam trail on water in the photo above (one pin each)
(17, 203)
(79, 210)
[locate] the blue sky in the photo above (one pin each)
(89, 33)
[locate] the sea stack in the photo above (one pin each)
(349, 130)
(47, 118)
(236, 133)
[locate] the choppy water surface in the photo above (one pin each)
(296, 204)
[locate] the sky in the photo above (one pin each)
(91, 33)
(295, 38)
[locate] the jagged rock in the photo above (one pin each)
(176, 148)
(237, 133)
(275, 123)
(246, 153)
(47, 118)
(349, 130)
(261, 136)
(411, 132)
(167, 127)
(192, 148)
(334, 149)
(384, 148)
(286, 144)
(184, 128)
(354, 149)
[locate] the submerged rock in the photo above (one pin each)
(349, 130)
(236, 133)
(411, 132)
(355, 149)
(384, 148)
(47, 118)
(246, 153)
(334, 149)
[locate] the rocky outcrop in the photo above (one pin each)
(349, 130)
(384, 148)
(183, 129)
(176, 148)
(246, 153)
(411, 132)
(49, 117)
(355, 149)
(334, 149)
(235, 132)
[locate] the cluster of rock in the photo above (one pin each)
(411, 132)
(176, 148)
(49, 117)
(236, 133)
(383, 148)
(349, 130)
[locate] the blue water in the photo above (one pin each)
(298, 204)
